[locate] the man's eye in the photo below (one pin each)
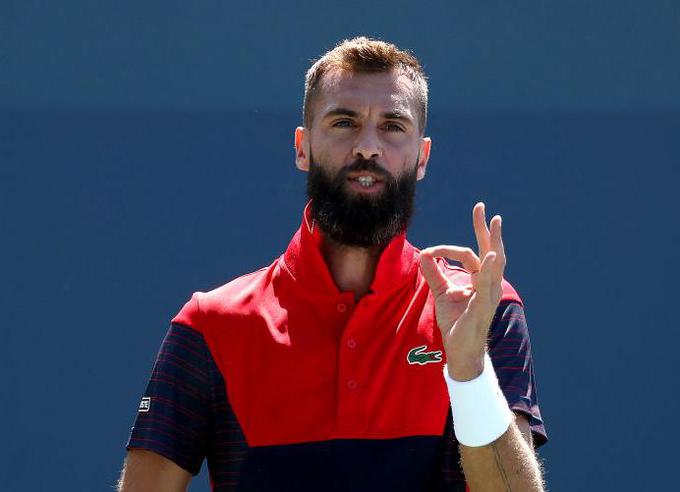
(343, 124)
(392, 127)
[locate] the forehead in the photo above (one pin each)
(363, 92)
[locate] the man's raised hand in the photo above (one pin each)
(464, 312)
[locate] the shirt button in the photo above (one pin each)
(352, 384)
(342, 307)
(352, 343)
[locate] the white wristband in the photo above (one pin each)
(480, 412)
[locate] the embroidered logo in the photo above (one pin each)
(417, 356)
(145, 404)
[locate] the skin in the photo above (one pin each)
(146, 471)
(374, 116)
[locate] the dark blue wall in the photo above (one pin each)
(217, 54)
(137, 165)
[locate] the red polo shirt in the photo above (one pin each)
(304, 362)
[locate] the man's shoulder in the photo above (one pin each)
(242, 286)
(233, 297)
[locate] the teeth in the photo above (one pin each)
(366, 181)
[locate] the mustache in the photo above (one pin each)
(365, 165)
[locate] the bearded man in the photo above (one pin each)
(355, 361)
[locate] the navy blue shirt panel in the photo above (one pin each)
(188, 416)
(510, 351)
(405, 464)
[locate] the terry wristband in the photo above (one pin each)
(480, 411)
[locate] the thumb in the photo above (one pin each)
(435, 278)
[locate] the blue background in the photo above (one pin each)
(146, 152)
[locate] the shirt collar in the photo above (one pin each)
(304, 261)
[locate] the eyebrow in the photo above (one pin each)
(390, 115)
(341, 112)
(397, 115)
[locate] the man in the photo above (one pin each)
(354, 361)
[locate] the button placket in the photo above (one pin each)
(349, 381)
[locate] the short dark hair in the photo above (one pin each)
(365, 55)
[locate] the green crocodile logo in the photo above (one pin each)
(417, 356)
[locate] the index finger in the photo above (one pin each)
(465, 256)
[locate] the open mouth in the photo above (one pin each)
(365, 184)
(365, 181)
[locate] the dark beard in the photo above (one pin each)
(357, 220)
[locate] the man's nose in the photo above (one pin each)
(367, 145)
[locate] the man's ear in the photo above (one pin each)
(424, 153)
(302, 148)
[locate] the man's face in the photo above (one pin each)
(364, 152)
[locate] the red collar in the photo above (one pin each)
(304, 261)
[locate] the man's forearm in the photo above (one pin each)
(507, 464)
(147, 471)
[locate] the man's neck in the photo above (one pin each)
(352, 268)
